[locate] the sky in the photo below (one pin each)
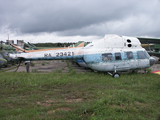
(41, 21)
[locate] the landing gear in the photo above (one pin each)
(115, 75)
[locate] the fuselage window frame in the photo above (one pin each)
(129, 55)
(146, 53)
(141, 55)
(107, 57)
(118, 56)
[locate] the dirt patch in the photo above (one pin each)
(61, 108)
(60, 66)
(140, 104)
(48, 103)
(58, 109)
(44, 104)
(118, 106)
(74, 100)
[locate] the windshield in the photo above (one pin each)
(142, 55)
(1, 56)
(5, 53)
(148, 56)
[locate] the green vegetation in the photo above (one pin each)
(89, 96)
(53, 44)
(1, 71)
(34, 70)
(71, 70)
(43, 63)
(32, 64)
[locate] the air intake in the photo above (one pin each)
(128, 40)
(129, 45)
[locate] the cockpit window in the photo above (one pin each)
(129, 55)
(107, 57)
(146, 53)
(1, 56)
(141, 55)
(5, 53)
(118, 56)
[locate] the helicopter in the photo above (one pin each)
(111, 54)
(5, 50)
(3, 62)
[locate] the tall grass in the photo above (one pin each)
(79, 96)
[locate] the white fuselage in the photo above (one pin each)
(108, 54)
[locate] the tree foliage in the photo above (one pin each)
(53, 44)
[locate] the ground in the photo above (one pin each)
(50, 66)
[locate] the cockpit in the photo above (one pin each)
(5, 53)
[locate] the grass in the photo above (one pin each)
(89, 96)
(71, 70)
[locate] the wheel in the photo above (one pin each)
(115, 75)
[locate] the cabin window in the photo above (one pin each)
(141, 55)
(129, 55)
(107, 57)
(118, 56)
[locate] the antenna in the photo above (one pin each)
(106, 27)
(8, 36)
(6, 31)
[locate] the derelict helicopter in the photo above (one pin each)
(113, 53)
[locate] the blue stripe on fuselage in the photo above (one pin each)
(54, 58)
(93, 58)
(80, 60)
(97, 58)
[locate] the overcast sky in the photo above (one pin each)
(77, 20)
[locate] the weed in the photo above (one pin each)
(43, 63)
(57, 71)
(73, 62)
(71, 70)
(32, 64)
(34, 70)
(149, 70)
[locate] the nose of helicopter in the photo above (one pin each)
(2, 63)
(152, 61)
